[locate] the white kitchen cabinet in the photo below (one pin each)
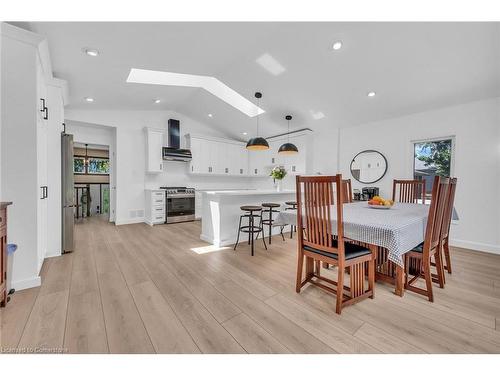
(154, 146)
(155, 207)
(42, 167)
(260, 162)
(218, 157)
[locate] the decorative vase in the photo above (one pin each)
(279, 185)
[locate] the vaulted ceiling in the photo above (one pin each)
(412, 67)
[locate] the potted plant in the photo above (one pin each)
(278, 174)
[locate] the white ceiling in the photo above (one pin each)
(413, 67)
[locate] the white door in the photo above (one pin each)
(42, 188)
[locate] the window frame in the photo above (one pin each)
(435, 139)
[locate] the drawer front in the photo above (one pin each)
(158, 218)
(157, 210)
(157, 200)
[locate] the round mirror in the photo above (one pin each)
(368, 166)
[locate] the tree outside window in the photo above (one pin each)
(432, 158)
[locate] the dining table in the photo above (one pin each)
(393, 231)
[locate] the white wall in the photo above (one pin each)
(19, 156)
(131, 179)
(476, 128)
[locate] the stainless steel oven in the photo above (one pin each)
(180, 204)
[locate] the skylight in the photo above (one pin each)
(211, 84)
(270, 64)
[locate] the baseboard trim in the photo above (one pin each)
(26, 283)
(487, 248)
(130, 221)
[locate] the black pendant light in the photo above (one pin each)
(257, 143)
(288, 148)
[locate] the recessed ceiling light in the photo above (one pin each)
(91, 52)
(156, 101)
(371, 94)
(89, 99)
(211, 84)
(317, 115)
(337, 45)
(270, 64)
(245, 133)
(210, 115)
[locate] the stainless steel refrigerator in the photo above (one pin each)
(68, 195)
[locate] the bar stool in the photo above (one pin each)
(292, 206)
(269, 208)
(251, 228)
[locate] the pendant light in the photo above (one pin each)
(288, 148)
(257, 143)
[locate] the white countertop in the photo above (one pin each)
(248, 192)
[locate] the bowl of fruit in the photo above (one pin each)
(380, 203)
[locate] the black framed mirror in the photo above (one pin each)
(368, 166)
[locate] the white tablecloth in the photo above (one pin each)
(398, 229)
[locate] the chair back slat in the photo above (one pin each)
(316, 196)
(445, 231)
(347, 187)
(410, 191)
(436, 213)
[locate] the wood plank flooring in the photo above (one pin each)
(141, 289)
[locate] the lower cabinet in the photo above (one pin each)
(155, 212)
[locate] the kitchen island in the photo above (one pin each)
(221, 212)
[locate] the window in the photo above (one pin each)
(94, 165)
(78, 165)
(98, 166)
(432, 158)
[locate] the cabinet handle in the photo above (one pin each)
(256, 171)
(46, 115)
(227, 170)
(241, 171)
(293, 168)
(42, 108)
(192, 168)
(46, 191)
(272, 161)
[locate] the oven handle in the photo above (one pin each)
(173, 196)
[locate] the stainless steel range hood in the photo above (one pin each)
(176, 154)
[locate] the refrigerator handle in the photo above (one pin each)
(43, 192)
(46, 191)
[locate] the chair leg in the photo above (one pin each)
(371, 277)
(291, 231)
(428, 278)
(317, 266)
(262, 229)
(446, 250)
(407, 269)
(238, 237)
(300, 265)
(282, 233)
(438, 258)
(340, 289)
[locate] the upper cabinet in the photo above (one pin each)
(154, 146)
(225, 157)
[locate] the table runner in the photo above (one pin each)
(398, 229)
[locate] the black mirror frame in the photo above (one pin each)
(362, 152)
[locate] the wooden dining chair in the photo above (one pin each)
(430, 248)
(346, 185)
(317, 198)
(410, 191)
(445, 231)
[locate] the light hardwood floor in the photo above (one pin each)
(141, 289)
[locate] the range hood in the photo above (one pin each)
(176, 154)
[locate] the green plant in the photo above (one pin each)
(278, 173)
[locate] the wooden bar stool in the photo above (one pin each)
(291, 206)
(269, 208)
(252, 213)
